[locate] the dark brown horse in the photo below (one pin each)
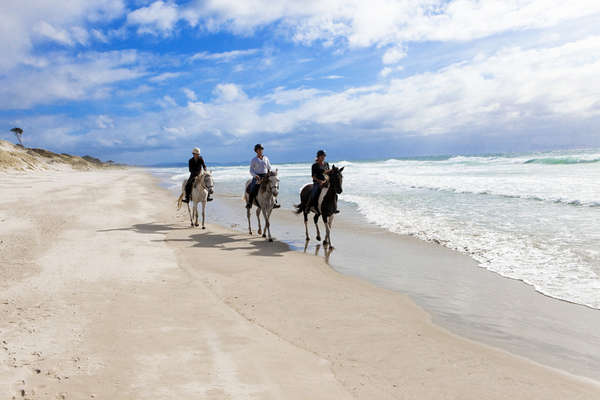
(324, 206)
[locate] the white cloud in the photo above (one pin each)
(229, 92)
(223, 57)
(388, 70)
(189, 94)
(393, 55)
(164, 76)
(25, 23)
(80, 35)
(60, 77)
(514, 87)
(104, 121)
(167, 102)
(383, 22)
(289, 96)
(100, 36)
(385, 71)
(333, 77)
(58, 35)
(157, 18)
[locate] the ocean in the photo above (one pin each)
(532, 217)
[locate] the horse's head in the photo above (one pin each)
(273, 182)
(207, 181)
(336, 179)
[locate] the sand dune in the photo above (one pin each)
(15, 157)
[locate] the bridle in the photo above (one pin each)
(338, 177)
(273, 184)
(203, 183)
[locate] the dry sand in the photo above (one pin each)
(106, 293)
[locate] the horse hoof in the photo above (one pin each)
(307, 239)
(203, 227)
(197, 224)
(318, 238)
(264, 235)
(325, 243)
(192, 225)
(270, 239)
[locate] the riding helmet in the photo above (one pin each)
(258, 146)
(196, 150)
(321, 153)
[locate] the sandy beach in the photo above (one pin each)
(107, 293)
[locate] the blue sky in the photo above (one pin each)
(146, 81)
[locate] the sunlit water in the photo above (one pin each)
(533, 217)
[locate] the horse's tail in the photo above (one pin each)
(179, 201)
(299, 208)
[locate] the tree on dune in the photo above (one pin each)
(18, 133)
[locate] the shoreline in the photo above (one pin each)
(112, 295)
(461, 296)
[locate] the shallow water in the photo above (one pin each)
(461, 296)
(532, 217)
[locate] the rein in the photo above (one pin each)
(201, 181)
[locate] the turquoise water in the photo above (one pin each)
(533, 217)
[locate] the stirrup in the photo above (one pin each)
(185, 200)
(276, 205)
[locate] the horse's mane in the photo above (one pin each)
(265, 181)
(263, 184)
(198, 178)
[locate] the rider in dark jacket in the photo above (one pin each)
(318, 171)
(196, 165)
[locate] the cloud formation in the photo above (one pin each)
(229, 70)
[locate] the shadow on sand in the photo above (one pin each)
(235, 241)
(151, 228)
(205, 239)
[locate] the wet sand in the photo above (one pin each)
(460, 295)
(108, 294)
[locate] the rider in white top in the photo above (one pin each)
(260, 166)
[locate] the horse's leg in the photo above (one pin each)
(203, 213)
(316, 219)
(306, 225)
(326, 222)
(328, 225)
(258, 218)
(249, 224)
(196, 213)
(269, 221)
(190, 214)
(267, 215)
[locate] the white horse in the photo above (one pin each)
(203, 186)
(264, 201)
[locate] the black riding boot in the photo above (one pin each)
(250, 201)
(188, 188)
